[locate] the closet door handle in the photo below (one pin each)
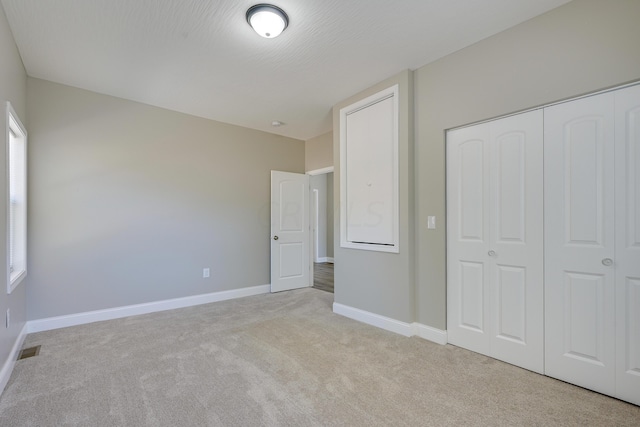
(607, 262)
(492, 253)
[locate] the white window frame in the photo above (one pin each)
(15, 126)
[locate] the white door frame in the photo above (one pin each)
(315, 222)
(312, 213)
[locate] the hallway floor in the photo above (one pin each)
(323, 276)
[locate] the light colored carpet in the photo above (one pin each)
(281, 359)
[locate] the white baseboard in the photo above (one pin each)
(134, 310)
(7, 368)
(324, 259)
(406, 329)
(373, 319)
(437, 336)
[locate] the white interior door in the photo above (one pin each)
(579, 242)
(627, 257)
(289, 231)
(494, 223)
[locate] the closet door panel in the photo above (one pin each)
(468, 233)
(494, 223)
(471, 183)
(516, 223)
(471, 299)
(579, 242)
(627, 261)
(511, 304)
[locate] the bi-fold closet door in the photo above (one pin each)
(494, 248)
(591, 244)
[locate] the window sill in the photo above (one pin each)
(15, 280)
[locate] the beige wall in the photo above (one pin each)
(381, 282)
(580, 47)
(319, 152)
(130, 202)
(13, 88)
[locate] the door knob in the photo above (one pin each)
(492, 253)
(607, 262)
(275, 237)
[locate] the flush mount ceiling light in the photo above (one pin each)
(267, 20)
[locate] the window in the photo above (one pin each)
(16, 137)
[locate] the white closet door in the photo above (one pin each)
(516, 275)
(579, 242)
(494, 205)
(468, 238)
(627, 258)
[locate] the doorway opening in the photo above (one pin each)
(322, 228)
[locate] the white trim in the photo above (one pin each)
(551, 104)
(373, 319)
(321, 171)
(406, 329)
(134, 310)
(393, 93)
(5, 373)
(325, 259)
(313, 250)
(315, 213)
(13, 121)
(437, 336)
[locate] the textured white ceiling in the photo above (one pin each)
(201, 57)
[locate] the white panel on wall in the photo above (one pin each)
(369, 167)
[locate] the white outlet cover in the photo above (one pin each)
(431, 222)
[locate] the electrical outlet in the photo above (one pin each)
(206, 273)
(8, 317)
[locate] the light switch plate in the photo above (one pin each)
(431, 222)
